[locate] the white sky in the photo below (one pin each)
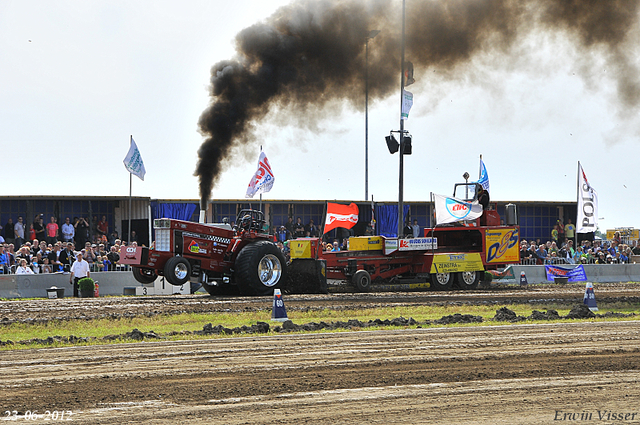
(79, 77)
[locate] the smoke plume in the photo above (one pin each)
(311, 53)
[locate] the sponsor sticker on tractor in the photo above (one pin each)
(502, 245)
(454, 263)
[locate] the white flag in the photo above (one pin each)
(407, 103)
(262, 180)
(450, 210)
(133, 161)
(587, 204)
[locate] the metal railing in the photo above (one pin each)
(53, 268)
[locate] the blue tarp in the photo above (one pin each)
(387, 219)
(179, 211)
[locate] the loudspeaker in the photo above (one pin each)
(392, 144)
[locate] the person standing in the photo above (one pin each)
(570, 231)
(66, 257)
(82, 228)
(298, 230)
(38, 226)
(561, 233)
(9, 233)
(312, 229)
(19, 232)
(54, 258)
(52, 231)
(68, 231)
(415, 229)
(103, 226)
(79, 270)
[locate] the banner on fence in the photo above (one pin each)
(575, 275)
(506, 274)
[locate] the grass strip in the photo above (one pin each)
(190, 322)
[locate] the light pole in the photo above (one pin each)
(369, 36)
(401, 171)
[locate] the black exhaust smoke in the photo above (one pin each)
(311, 53)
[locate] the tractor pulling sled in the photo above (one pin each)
(245, 260)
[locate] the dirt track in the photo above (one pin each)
(91, 308)
(525, 374)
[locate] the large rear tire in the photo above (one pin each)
(362, 280)
(144, 275)
(441, 281)
(177, 271)
(260, 268)
(467, 280)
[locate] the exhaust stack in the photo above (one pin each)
(203, 212)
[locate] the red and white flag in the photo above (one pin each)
(262, 180)
(339, 215)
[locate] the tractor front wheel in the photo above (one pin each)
(177, 271)
(144, 275)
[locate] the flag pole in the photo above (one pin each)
(130, 191)
(260, 192)
(401, 150)
(480, 168)
(577, 205)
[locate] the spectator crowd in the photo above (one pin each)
(564, 250)
(52, 248)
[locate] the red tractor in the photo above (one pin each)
(223, 259)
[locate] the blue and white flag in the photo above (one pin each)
(450, 210)
(484, 177)
(133, 161)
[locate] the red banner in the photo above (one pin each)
(339, 215)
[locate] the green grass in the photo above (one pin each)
(162, 324)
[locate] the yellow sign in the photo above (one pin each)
(454, 263)
(502, 245)
(624, 233)
(300, 249)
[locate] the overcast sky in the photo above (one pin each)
(78, 78)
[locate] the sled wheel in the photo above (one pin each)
(177, 271)
(260, 268)
(362, 280)
(441, 281)
(144, 275)
(467, 280)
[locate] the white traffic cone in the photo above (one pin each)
(590, 297)
(279, 313)
(523, 279)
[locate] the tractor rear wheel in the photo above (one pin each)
(362, 280)
(441, 281)
(144, 275)
(467, 280)
(260, 268)
(177, 271)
